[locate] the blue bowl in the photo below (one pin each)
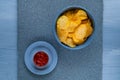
(36, 47)
(89, 39)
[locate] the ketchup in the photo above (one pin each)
(40, 59)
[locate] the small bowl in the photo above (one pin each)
(35, 48)
(89, 39)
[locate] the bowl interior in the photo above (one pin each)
(88, 40)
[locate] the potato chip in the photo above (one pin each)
(90, 29)
(72, 15)
(70, 35)
(77, 41)
(81, 14)
(72, 26)
(81, 31)
(62, 35)
(70, 42)
(63, 22)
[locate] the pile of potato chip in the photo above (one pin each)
(74, 27)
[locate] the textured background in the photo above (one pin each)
(8, 33)
(36, 20)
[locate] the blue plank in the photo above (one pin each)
(8, 25)
(111, 77)
(8, 62)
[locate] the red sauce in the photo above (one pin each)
(41, 59)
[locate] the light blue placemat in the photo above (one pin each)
(35, 23)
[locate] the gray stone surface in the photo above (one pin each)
(36, 20)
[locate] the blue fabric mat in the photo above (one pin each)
(36, 20)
